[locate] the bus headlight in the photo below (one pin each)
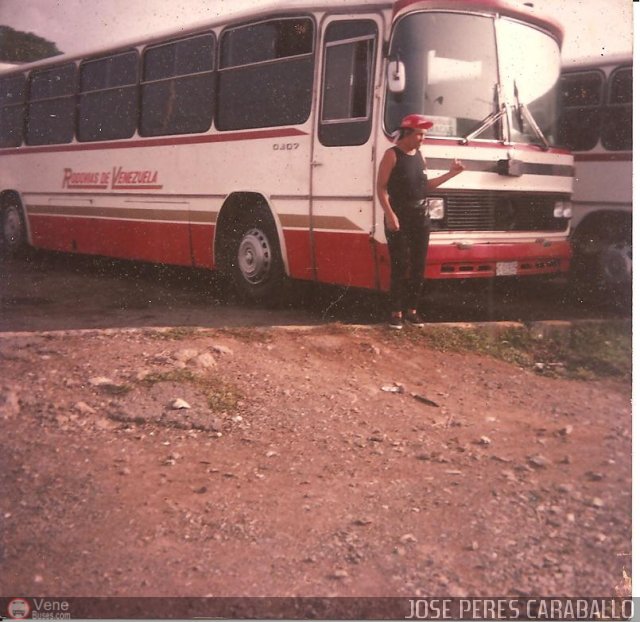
(436, 208)
(562, 209)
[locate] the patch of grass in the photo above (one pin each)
(248, 335)
(174, 334)
(221, 396)
(175, 375)
(584, 351)
(116, 389)
(337, 328)
(597, 350)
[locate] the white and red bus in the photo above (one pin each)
(251, 144)
(596, 124)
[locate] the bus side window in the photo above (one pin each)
(581, 94)
(265, 77)
(178, 86)
(617, 119)
(52, 105)
(108, 107)
(12, 96)
(347, 83)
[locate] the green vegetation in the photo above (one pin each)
(174, 334)
(17, 46)
(584, 350)
(116, 389)
(248, 335)
(221, 396)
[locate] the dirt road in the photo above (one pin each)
(329, 460)
(49, 291)
(294, 472)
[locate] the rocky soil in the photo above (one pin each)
(307, 462)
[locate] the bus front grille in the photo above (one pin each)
(500, 212)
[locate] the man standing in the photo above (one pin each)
(402, 188)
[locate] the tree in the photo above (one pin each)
(17, 46)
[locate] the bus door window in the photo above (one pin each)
(348, 75)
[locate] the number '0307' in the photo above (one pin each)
(285, 146)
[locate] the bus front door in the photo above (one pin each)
(343, 163)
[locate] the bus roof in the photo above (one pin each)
(518, 9)
(275, 7)
(510, 8)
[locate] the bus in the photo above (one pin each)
(250, 144)
(595, 123)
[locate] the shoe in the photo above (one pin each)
(395, 322)
(414, 319)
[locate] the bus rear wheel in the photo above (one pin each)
(615, 266)
(14, 236)
(257, 268)
(603, 274)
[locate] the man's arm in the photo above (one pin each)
(455, 169)
(384, 173)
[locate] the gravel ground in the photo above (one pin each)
(327, 461)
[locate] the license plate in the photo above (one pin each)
(506, 268)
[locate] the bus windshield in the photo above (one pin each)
(451, 72)
(530, 68)
(454, 63)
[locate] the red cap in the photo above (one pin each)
(416, 122)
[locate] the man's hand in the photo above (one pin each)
(456, 167)
(391, 222)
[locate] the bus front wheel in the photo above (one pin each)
(13, 230)
(257, 267)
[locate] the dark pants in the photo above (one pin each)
(408, 254)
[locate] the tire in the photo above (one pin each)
(257, 269)
(615, 266)
(13, 231)
(604, 278)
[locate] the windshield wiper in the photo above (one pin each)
(486, 123)
(489, 120)
(523, 111)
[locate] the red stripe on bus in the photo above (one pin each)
(480, 260)
(158, 142)
(341, 258)
(160, 242)
(87, 187)
(345, 259)
(134, 187)
(603, 157)
(144, 241)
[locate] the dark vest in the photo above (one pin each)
(408, 180)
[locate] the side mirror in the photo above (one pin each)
(396, 76)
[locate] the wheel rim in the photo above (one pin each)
(616, 264)
(11, 226)
(254, 257)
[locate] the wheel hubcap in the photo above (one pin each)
(254, 257)
(616, 264)
(11, 226)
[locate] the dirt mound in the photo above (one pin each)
(328, 461)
